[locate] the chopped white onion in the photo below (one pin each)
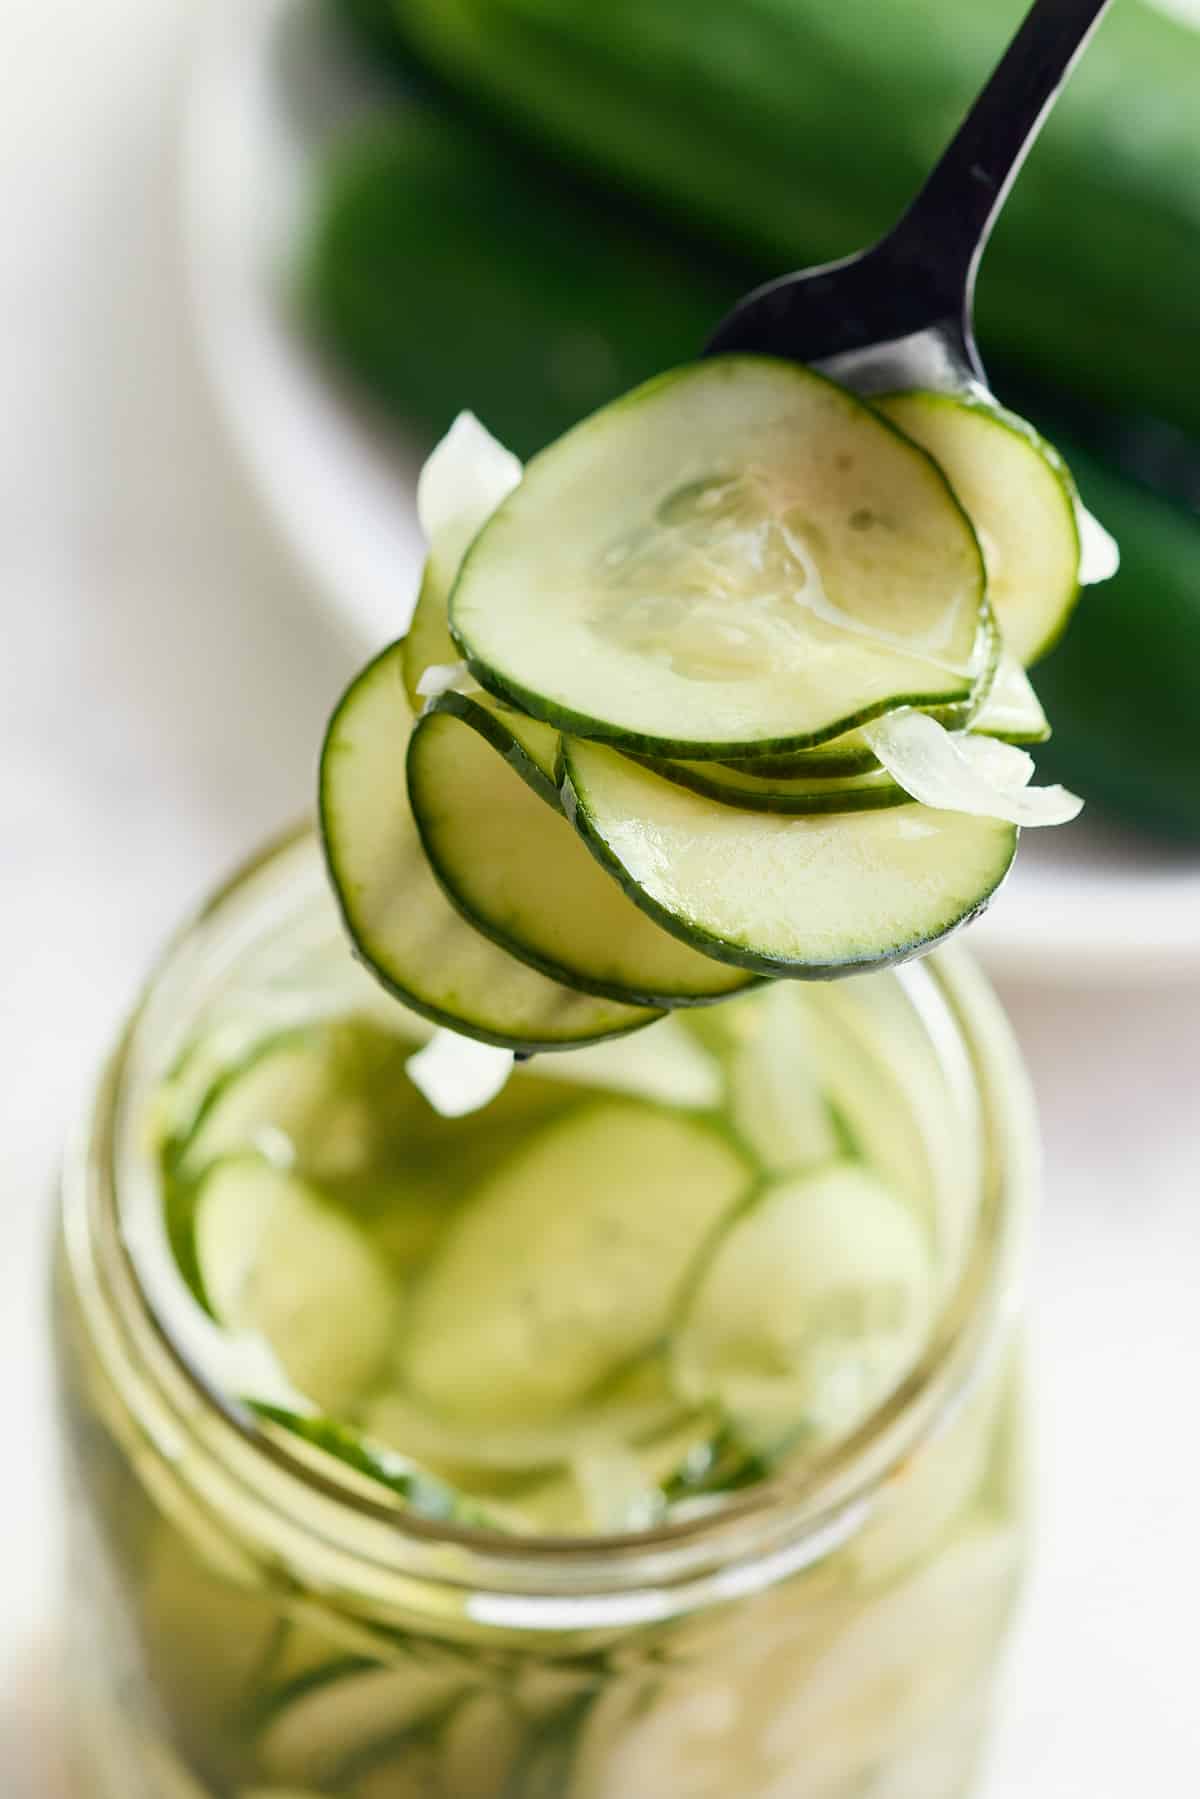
(1099, 554)
(440, 677)
(463, 481)
(965, 773)
(457, 1075)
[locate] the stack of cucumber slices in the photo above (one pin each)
(727, 684)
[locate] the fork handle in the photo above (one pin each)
(945, 229)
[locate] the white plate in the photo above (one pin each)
(269, 91)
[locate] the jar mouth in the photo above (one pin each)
(783, 1523)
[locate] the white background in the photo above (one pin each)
(163, 677)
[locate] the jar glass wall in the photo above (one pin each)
(248, 1617)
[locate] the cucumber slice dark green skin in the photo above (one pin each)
(476, 796)
(401, 925)
(646, 831)
(1020, 497)
(799, 794)
(830, 763)
(534, 641)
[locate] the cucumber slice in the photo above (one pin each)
(900, 1669)
(519, 873)
(799, 793)
(807, 897)
(639, 1404)
(738, 556)
(478, 1746)
(400, 922)
(846, 755)
(1020, 497)
(1008, 709)
(330, 1099)
(207, 1641)
(778, 1108)
(566, 1264)
(812, 1307)
(428, 643)
(323, 1737)
(278, 1261)
(1012, 711)
(930, 1494)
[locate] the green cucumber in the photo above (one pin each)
(738, 556)
(1121, 687)
(427, 643)
(777, 1105)
(638, 1404)
(1009, 709)
(796, 132)
(1018, 493)
(518, 873)
(808, 897)
(800, 793)
(330, 1099)
(1012, 712)
(840, 756)
(324, 1736)
(400, 923)
(566, 1263)
(812, 1306)
(510, 308)
(277, 1260)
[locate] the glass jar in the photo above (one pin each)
(251, 1620)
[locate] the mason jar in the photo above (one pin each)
(249, 1618)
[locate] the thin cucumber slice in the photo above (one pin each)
(330, 1099)
(566, 1264)
(900, 1668)
(932, 1492)
(322, 1735)
(845, 755)
(428, 643)
(812, 1307)
(206, 1638)
(806, 897)
(401, 924)
(1012, 711)
(478, 1746)
(531, 745)
(669, 1065)
(798, 793)
(639, 1404)
(517, 871)
(317, 1438)
(777, 1105)
(279, 1261)
(1020, 498)
(738, 556)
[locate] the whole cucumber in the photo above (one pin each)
(1123, 686)
(796, 130)
(444, 270)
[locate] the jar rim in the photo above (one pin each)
(785, 1522)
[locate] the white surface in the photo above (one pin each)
(162, 687)
(267, 91)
